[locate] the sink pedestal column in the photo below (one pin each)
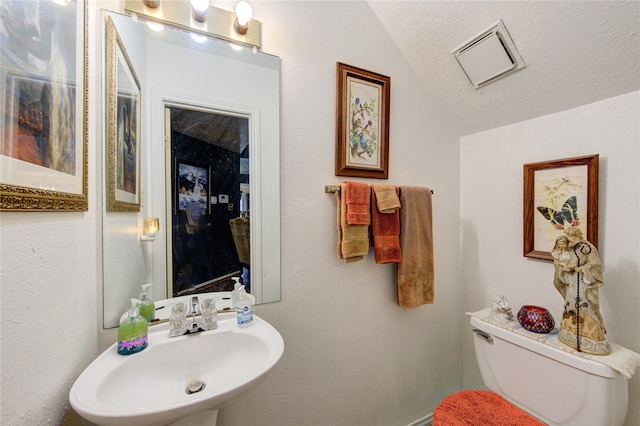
(200, 418)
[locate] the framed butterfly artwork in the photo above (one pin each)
(559, 194)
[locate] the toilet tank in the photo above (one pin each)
(556, 387)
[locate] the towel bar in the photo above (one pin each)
(336, 188)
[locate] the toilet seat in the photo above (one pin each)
(480, 407)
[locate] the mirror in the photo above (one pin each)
(208, 83)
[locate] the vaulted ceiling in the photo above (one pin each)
(576, 53)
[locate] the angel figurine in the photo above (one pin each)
(577, 277)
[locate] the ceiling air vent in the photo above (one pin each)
(489, 56)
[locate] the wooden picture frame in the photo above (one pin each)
(362, 123)
(559, 194)
(123, 94)
(43, 119)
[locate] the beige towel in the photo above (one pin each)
(415, 273)
(386, 198)
(353, 240)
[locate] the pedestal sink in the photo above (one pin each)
(161, 384)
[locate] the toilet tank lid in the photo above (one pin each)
(547, 345)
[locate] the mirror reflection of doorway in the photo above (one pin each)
(207, 166)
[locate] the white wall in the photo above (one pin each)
(49, 297)
(491, 217)
(352, 356)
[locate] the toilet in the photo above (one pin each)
(554, 386)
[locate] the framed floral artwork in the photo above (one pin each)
(362, 123)
(122, 89)
(43, 113)
(559, 194)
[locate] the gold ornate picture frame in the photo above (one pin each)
(123, 94)
(44, 87)
(362, 123)
(559, 194)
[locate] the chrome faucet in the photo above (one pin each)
(194, 307)
(195, 326)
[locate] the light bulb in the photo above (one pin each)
(200, 9)
(244, 12)
(200, 6)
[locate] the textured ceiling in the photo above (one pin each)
(576, 52)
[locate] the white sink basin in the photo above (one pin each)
(150, 387)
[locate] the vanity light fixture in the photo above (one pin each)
(199, 17)
(151, 229)
(244, 13)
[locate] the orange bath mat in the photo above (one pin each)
(480, 407)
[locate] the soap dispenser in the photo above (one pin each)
(244, 309)
(132, 333)
(145, 304)
(236, 291)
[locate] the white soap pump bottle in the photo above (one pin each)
(236, 291)
(244, 309)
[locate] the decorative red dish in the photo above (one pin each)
(536, 319)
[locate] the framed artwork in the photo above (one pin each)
(362, 123)
(192, 187)
(43, 107)
(559, 194)
(122, 127)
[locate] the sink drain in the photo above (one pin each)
(195, 387)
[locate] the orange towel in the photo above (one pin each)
(353, 240)
(415, 273)
(386, 233)
(358, 207)
(480, 407)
